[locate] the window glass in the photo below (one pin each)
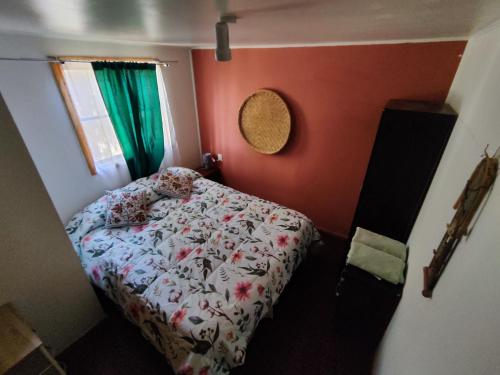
(89, 105)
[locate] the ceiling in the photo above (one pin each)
(261, 22)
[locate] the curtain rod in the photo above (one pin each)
(56, 60)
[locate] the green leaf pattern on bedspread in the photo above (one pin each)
(201, 274)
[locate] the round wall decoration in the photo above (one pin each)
(265, 122)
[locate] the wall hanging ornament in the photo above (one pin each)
(466, 207)
(265, 122)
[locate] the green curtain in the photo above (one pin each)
(130, 93)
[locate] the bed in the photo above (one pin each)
(201, 274)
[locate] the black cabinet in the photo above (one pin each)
(364, 308)
(410, 141)
(365, 304)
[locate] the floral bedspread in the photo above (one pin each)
(201, 274)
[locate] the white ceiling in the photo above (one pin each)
(261, 22)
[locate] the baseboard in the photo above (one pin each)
(327, 232)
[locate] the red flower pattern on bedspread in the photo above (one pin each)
(282, 241)
(242, 290)
(184, 252)
(236, 256)
(260, 289)
(178, 317)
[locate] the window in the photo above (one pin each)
(91, 121)
(90, 108)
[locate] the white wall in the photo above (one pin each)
(40, 274)
(457, 331)
(39, 112)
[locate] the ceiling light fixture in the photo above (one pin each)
(223, 51)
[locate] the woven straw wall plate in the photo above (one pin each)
(264, 121)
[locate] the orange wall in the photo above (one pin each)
(335, 95)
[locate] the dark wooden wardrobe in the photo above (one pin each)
(410, 141)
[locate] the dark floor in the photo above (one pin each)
(300, 339)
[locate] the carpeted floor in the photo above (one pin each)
(301, 338)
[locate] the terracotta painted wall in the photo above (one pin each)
(336, 96)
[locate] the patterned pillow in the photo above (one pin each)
(126, 207)
(175, 185)
(182, 171)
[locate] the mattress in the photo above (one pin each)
(201, 274)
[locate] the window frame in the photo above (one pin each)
(75, 119)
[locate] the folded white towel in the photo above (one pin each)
(379, 242)
(376, 262)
